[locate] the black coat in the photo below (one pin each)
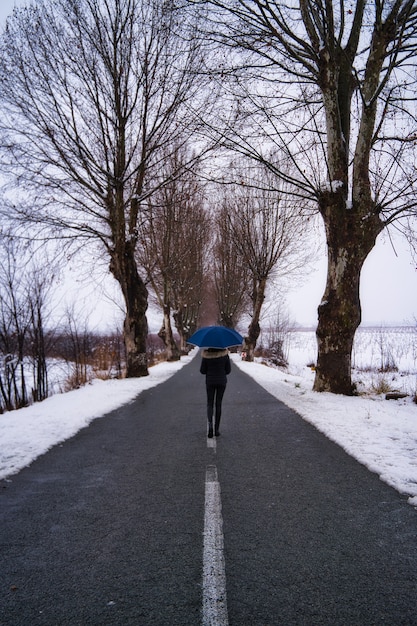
(216, 366)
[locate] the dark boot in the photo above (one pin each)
(216, 427)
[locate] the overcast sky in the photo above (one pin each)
(389, 282)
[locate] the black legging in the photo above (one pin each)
(215, 394)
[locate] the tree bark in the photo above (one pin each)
(124, 269)
(167, 336)
(349, 241)
(254, 329)
(185, 325)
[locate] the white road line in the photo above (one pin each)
(211, 443)
(214, 575)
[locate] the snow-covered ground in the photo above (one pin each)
(27, 433)
(381, 434)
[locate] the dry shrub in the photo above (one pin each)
(76, 380)
(381, 385)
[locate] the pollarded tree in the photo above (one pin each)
(190, 282)
(332, 85)
(192, 238)
(92, 94)
(270, 238)
(173, 236)
(231, 273)
(157, 254)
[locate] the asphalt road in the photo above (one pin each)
(107, 529)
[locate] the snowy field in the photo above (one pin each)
(380, 433)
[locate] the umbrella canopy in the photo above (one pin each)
(215, 337)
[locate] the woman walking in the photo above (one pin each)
(215, 364)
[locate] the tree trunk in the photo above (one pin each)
(339, 317)
(258, 297)
(167, 336)
(349, 241)
(181, 329)
(135, 328)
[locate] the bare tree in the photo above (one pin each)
(190, 282)
(171, 251)
(269, 235)
(158, 257)
(14, 327)
(25, 287)
(276, 337)
(92, 92)
(331, 85)
(39, 285)
(79, 349)
(231, 274)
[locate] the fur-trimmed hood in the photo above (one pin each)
(214, 354)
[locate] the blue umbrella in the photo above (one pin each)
(215, 337)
